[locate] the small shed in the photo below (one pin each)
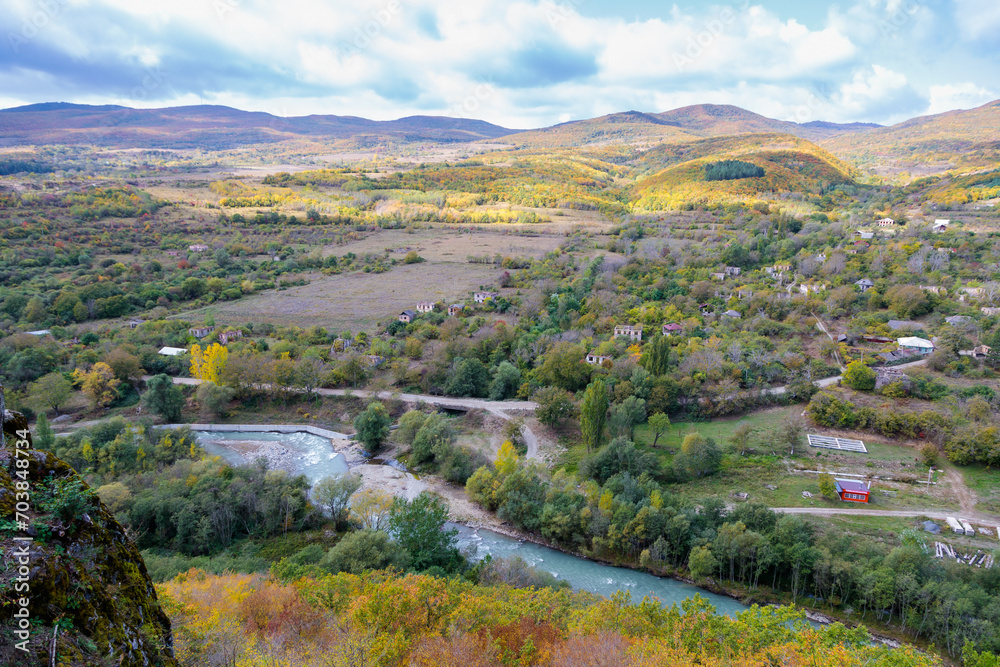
(915, 344)
(407, 316)
(672, 328)
(455, 309)
(852, 491)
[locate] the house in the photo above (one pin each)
(876, 339)
(859, 246)
(597, 359)
(704, 307)
(483, 297)
(227, 336)
(865, 284)
(732, 314)
(672, 328)
(915, 344)
(407, 316)
(455, 309)
(806, 289)
(821, 257)
(990, 312)
(958, 320)
(633, 332)
(940, 226)
(885, 222)
(865, 236)
(732, 270)
(425, 307)
(744, 293)
(198, 247)
(718, 276)
(981, 351)
(172, 253)
(133, 324)
(172, 351)
(782, 267)
(201, 332)
(852, 491)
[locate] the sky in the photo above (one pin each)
(516, 63)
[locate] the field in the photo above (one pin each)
(356, 301)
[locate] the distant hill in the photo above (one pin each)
(963, 139)
(215, 127)
(686, 123)
(675, 173)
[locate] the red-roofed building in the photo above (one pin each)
(852, 491)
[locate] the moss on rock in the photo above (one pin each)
(91, 599)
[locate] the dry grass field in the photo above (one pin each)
(451, 244)
(356, 301)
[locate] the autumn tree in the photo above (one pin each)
(209, 365)
(859, 377)
(369, 508)
(827, 486)
(657, 356)
(594, 414)
(98, 384)
(699, 457)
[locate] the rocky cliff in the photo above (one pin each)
(76, 592)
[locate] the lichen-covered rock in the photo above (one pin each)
(90, 600)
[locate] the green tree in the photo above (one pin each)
(621, 455)
(372, 426)
(827, 486)
(701, 562)
(52, 389)
(409, 424)
(929, 454)
(364, 550)
(859, 377)
(44, 437)
(418, 526)
(699, 457)
(506, 381)
(555, 406)
(657, 356)
(565, 366)
(740, 439)
(658, 424)
(35, 310)
(594, 414)
(164, 397)
(626, 415)
(470, 377)
(333, 494)
(215, 398)
(791, 433)
(434, 437)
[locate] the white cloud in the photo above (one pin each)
(953, 96)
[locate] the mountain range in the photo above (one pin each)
(969, 138)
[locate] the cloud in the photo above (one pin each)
(539, 60)
(950, 96)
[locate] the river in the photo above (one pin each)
(587, 575)
(311, 455)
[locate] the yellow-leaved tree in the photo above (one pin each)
(99, 384)
(209, 364)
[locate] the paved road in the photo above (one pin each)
(930, 514)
